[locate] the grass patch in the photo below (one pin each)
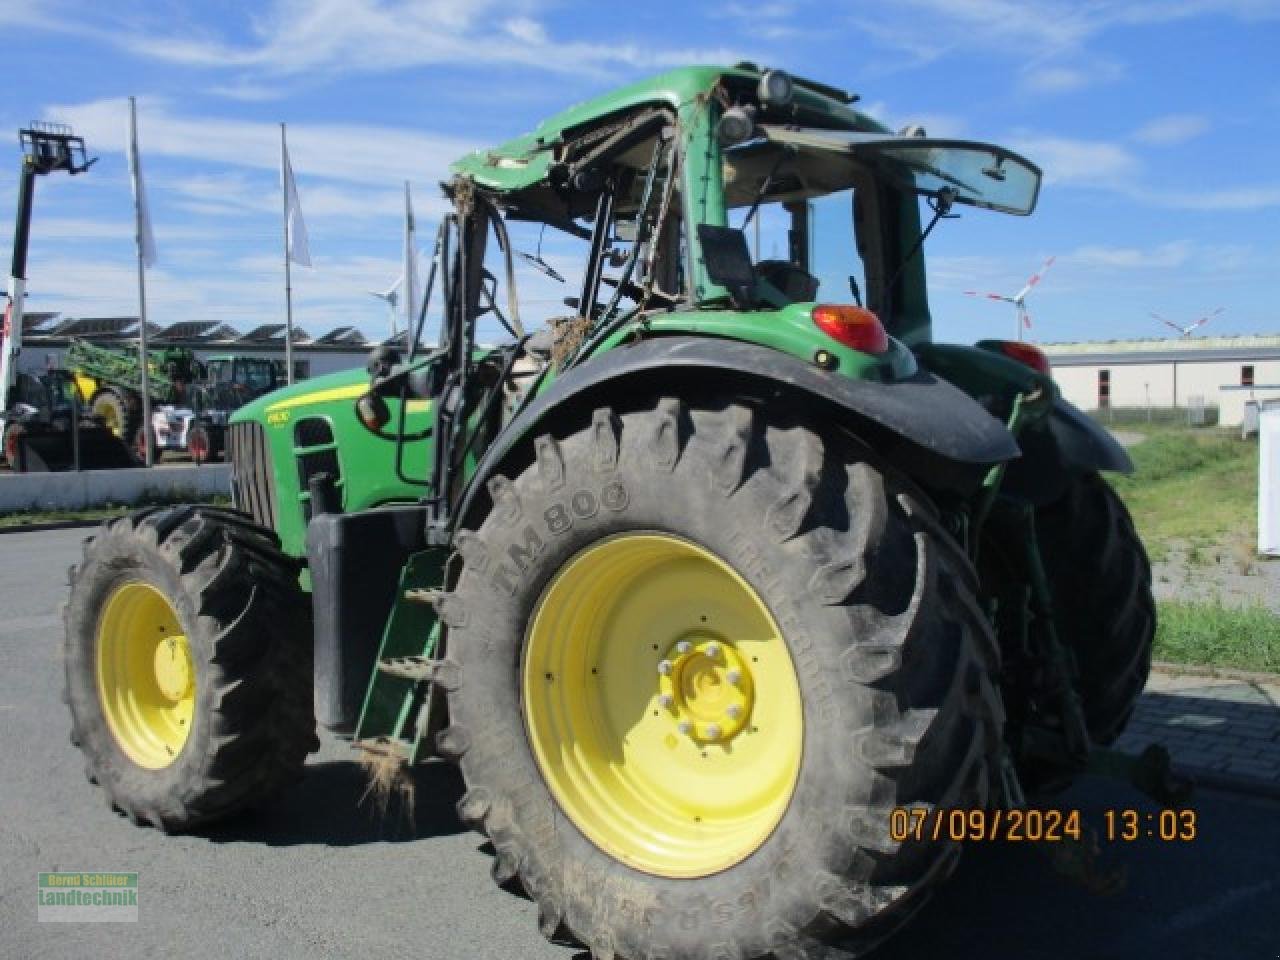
(26, 518)
(1195, 486)
(1211, 634)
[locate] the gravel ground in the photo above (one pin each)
(1229, 572)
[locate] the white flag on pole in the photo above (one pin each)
(146, 239)
(409, 292)
(296, 229)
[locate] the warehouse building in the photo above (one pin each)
(1225, 373)
(46, 337)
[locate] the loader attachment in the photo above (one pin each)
(52, 450)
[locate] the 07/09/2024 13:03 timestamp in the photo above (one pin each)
(1123, 825)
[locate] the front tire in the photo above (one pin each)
(678, 519)
(188, 665)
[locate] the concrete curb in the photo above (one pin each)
(91, 488)
(52, 525)
(1224, 673)
(1230, 783)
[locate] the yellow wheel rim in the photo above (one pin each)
(146, 681)
(662, 705)
(110, 418)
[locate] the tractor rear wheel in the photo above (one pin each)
(188, 665)
(118, 413)
(1100, 579)
(697, 656)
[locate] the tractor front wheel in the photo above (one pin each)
(188, 665)
(696, 657)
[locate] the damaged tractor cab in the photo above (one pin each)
(696, 582)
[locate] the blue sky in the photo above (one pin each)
(1155, 123)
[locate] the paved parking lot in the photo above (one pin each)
(317, 876)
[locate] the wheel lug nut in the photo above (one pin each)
(664, 667)
(684, 646)
(685, 727)
(734, 677)
(712, 650)
(713, 731)
(666, 700)
(734, 711)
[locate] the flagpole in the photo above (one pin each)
(148, 450)
(409, 293)
(288, 288)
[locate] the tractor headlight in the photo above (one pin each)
(776, 89)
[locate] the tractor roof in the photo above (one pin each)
(524, 161)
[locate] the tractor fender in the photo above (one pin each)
(1083, 444)
(1066, 445)
(950, 439)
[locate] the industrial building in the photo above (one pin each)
(46, 337)
(1225, 373)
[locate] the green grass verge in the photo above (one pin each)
(1211, 634)
(1199, 487)
(27, 518)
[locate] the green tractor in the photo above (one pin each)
(698, 585)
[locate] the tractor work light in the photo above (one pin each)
(373, 412)
(1027, 355)
(737, 125)
(776, 89)
(855, 327)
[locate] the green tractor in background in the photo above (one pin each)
(697, 585)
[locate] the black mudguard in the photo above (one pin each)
(1066, 445)
(922, 424)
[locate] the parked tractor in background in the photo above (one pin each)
(191, 401)
(697, 585)
(42, 428)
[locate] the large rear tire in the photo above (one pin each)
(118, 412)
(581, 669)
(1101, 583)
(188, 665)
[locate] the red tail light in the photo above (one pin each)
(1026, 354)
(855, 327)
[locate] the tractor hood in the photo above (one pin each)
(345, 384)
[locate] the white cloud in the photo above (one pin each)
(349, 152)
(1163, 257)
(523, 28)
(1087, 163)
(1060, 78)
(310, 37)
(1172, 129)
(1248, 198)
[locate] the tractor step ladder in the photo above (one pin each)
(396, 715)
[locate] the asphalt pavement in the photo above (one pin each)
(318, 875)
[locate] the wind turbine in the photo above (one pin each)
(1019, 299)
(1191, 327)
(391, 297)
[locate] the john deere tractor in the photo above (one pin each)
(697, 584)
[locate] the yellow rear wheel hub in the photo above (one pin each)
(110, 417)
(662, 705)
(146, 681)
